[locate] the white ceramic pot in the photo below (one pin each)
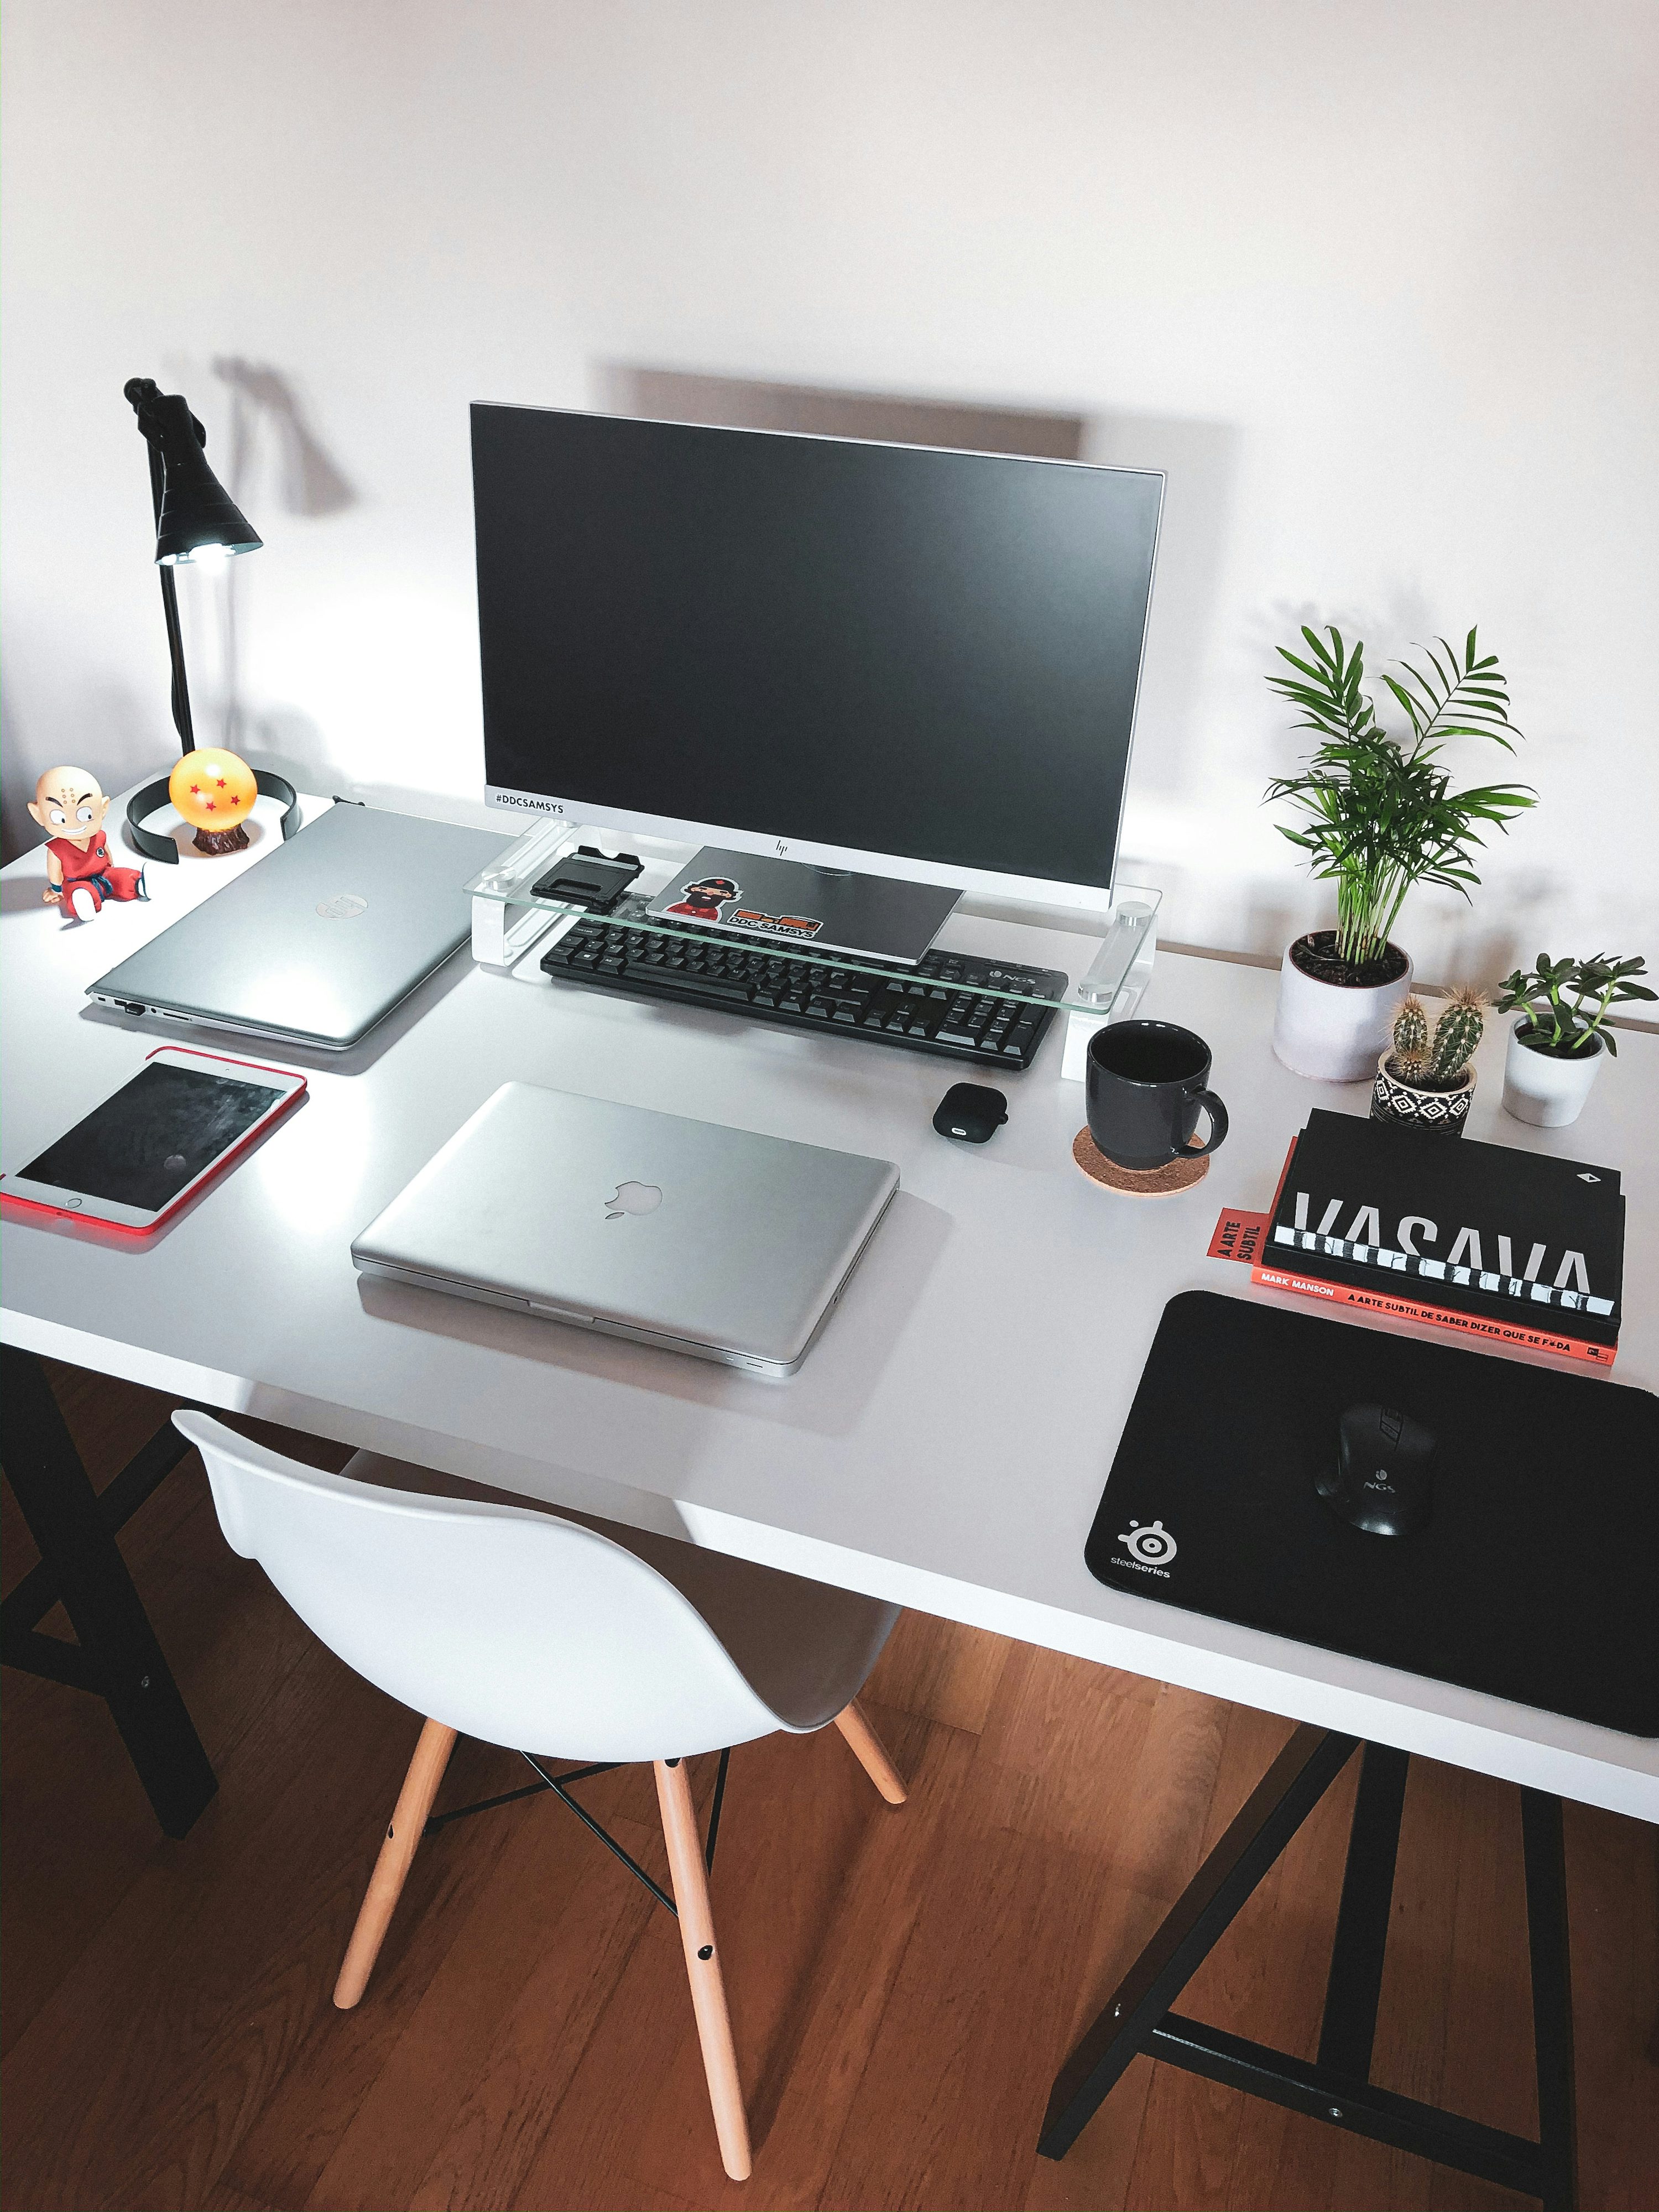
(1335, 1031)
(1546, 1091)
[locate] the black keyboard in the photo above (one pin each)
(944, 1005)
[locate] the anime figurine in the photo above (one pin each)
(68, 804)
(214, 791)
(702, 900)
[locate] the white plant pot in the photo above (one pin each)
(1335, 1031)
(1546, 1091)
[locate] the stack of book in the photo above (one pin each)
(1523, 1250)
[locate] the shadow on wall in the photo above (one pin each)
(670, 395)
(270, 434)
(107, 716)
(18, 830)
(309, 481)
(1199, 460)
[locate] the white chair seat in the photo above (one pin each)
(805, 1648)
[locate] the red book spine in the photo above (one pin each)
(1511, 1335)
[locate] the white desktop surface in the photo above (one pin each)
(945, 1444)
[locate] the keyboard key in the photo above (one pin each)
(701, 987)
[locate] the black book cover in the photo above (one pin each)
(1487, 1229)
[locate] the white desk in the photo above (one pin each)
(946, 1443)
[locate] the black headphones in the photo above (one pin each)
(154, 847)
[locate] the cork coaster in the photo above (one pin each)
(1137, 1182)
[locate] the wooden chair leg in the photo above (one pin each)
(703, 1965)
(870, 1752)
(426, 1771)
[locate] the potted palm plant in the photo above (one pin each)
(1559, 1042)
(1377, 816)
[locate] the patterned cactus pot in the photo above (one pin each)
(1405, 1107)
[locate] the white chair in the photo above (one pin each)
(523, 1629)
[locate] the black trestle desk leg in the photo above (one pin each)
(117, 1656)
(1355, 1983)
(1337, 2087)
(1275, 1809)
(1551, 1998)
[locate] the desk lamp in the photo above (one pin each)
(196, 520)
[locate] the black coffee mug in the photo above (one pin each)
(1145, 1085)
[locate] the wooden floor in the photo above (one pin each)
(902, 1984)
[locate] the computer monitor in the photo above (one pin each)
(914, 662)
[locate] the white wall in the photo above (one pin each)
(1373, 278)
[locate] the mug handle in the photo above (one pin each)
(1217, 1113)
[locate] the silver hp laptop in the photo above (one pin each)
(682, 1234)
(319, 939)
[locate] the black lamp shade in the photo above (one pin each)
(198, 515)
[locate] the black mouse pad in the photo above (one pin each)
(1536, 1576)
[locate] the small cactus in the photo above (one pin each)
(1438, 1064)
(1411, 1033)
(1457, 1034)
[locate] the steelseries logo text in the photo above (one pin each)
(1147, 1549)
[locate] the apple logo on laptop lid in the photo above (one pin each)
(633, 1198)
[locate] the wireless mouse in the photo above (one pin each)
(1381, 1481)
(970, 1112)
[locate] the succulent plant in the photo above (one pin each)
(1439, 1063)
(1565, 1002)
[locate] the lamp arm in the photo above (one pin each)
(181, 715)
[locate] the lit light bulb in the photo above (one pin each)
(200, 553)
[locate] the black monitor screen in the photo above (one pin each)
(895, 650)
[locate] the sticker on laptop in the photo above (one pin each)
(714, 899)
(702, 900)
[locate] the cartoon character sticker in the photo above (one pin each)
(79, 875)
(702, 901)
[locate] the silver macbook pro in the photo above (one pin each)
(682, 1234)
(319, 939)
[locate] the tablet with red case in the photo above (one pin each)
(150, 1146)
